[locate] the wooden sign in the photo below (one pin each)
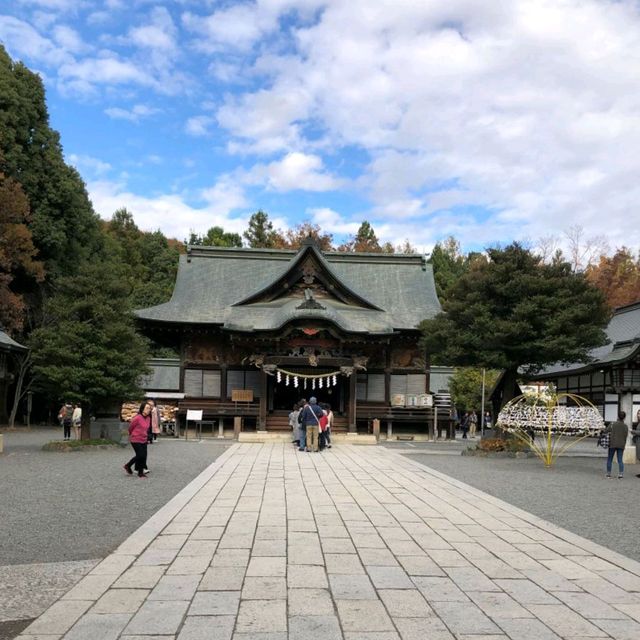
(242, 395)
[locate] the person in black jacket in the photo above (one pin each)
(618, 432)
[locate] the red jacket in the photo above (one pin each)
(138, 428)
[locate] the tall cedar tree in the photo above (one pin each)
(448, 265)
(366, 241)
(260, 234)
(17, 254)
(64, 226)
(514, 312)
(89, 351)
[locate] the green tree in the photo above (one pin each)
(465, 387)
(514, 312)
(89, 351)
(366, 241)
(64, 226)
(260, 233)
(215, 237)
(148, 262)
(449, 264)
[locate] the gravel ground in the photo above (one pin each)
(77, 506)
(574, 494)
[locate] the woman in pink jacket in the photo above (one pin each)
(138, 430)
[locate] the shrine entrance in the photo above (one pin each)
(282, 396)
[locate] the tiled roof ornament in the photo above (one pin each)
(309, 301)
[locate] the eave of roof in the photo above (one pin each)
(7, 343)
(623, 332)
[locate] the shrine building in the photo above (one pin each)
(259, 329)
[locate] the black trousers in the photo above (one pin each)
(139, 461)
(67, 429)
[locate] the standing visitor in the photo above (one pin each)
(302, 429)
(322, 428)
(618, 432)
(138, 437)
(636, 440)
(65, 415)
(311, 415)
(488, 420)
(327, 433)
(155, 421)
(293, 423)
(473, 423)
(76, 418)
(464, 425)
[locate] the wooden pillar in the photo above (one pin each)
(352, 402)
(262, 417)
(223, 382)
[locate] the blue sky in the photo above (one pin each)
(515, 119)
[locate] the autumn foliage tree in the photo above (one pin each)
(617, 276)
(17, 254)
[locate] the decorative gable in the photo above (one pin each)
(311, 279)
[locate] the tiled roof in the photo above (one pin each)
(9, 344)
(212, 281)
(623, 332)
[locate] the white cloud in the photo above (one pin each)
(172, 212)
(199, 125)
(89, 166)
(25, 42)
(135, 114)
(108, 70)
(522, 105)
(295, 171)
(69, 39)
(158, 35)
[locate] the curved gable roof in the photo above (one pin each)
(395, 291)
(623, 332)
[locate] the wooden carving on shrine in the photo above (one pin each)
(407, 358)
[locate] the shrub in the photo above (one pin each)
(500, 444)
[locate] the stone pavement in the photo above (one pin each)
(356, 543)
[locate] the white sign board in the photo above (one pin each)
(194, 414)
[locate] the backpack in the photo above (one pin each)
(66, 413)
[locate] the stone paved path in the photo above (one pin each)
(357, 543)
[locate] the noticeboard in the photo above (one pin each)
(242, 395)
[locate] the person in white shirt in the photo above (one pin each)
(76, 420)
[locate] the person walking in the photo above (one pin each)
(311, 415)
(65, 415)
(76, 419)
(473, 423)
(618, 432)
(138, 437)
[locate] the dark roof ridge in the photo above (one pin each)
(285, 254)
(633, 306)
